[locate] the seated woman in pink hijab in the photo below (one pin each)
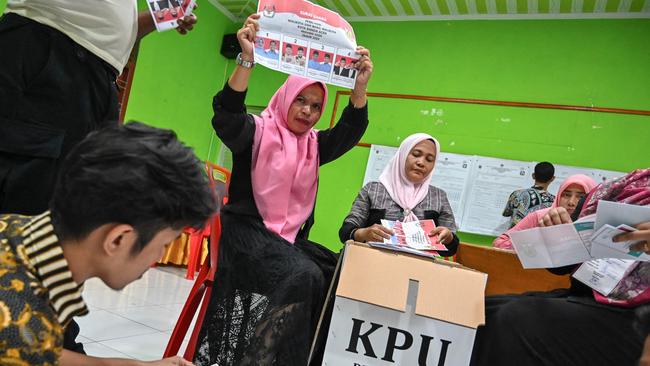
(271, 281)
(572, 190)
(576, 326)
(403, 193)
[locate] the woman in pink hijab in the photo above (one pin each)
(271, 281)
(403, 193)
(571, 191)
(576, 326)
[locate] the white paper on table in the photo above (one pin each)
(493, 180)
(603, 275)
(549, 247)
(602, 245)
(302, 24)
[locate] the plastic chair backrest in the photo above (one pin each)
(219, 178)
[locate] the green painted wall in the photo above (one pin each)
(581, 62)
(176, 77)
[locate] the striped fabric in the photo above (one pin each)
(44, 253)
(358, 10)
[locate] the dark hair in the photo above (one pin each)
(301, 49)
(132, 174)
(315, 53)
(327, 55)
(544, 172)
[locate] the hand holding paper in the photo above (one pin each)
(375, 232)
(555, 216)
(444, 235)
(246, 36)
(642, 235)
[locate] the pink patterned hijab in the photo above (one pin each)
(284, 169)
(405, 193)
(633, 188)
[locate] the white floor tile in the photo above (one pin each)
(101, 325)
(84, 340)
(100, 350)
(156, 317)
(109, 299)
(137, 321)
(163, 296)
(143, 347)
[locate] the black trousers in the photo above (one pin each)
(555, 328)
(53, 92)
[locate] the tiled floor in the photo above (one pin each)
(137, 321)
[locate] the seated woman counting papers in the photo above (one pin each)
(571, 191)
(576, 326)
(403, 193)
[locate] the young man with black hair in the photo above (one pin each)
(524, 201)
(122, 195)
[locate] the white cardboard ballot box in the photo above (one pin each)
(395, 308)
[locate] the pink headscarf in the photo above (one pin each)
(587, 183)
(284, 169)
(405, 193)
(531, 220)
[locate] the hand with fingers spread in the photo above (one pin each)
(642, 235)
(445, 236)
(375, 233)
(555, 216)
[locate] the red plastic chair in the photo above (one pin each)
(202, 289)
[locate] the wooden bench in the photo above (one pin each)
(505, 273)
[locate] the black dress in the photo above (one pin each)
(268, 293)
(560, 327)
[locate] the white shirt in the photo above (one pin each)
(107, 28)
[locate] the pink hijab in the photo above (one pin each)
(587, 183)
(405, 193)
(634, 189)
(284, 169)
(531, 220)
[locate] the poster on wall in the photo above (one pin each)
(493, 180)
(301, 38)
(564, 171)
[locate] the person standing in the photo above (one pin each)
(524, 201)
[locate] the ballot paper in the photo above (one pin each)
(603, 275)
(167, 13)
(589, 238)
(413, 234)
(549, 247)
(603, 245)
(301, 38)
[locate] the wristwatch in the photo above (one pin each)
(244, 63)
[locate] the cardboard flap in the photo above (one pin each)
(450, 293)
